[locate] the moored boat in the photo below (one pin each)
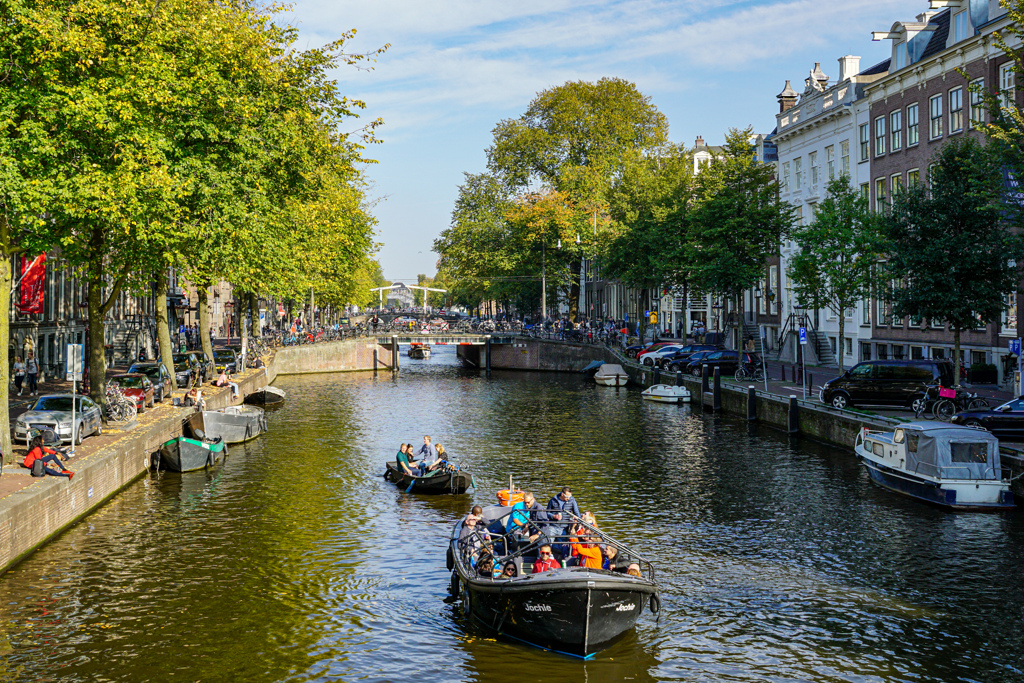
(268, 397)
(234, 424)
(572, 610)
(947, 465)
(419, 351)
(184, 454)
(666, 393)
(611, 375)
(453, 480)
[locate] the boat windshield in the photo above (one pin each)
(487, 542)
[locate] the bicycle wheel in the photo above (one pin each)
(130, 412)
(741, 374)
(944, 409)
(758, 375)
(977, 403)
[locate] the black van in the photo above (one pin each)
(887, 383)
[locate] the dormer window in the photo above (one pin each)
(899, 55)
(960, 26)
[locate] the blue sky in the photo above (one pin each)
(456, 68)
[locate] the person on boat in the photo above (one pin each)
(509, 571)
(48, 456)
(634, 570)
(559, 509)
(545, 560)
(530, 523)
(485, 567)
(473, 537)
(611, 554)
(429, 453)
(585, 549)
(442, 456)
(402, 460)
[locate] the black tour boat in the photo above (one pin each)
(450, 480)
(571, 610)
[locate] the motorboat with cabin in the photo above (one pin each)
(611, 375)
(572, 610)
(666, 393)
(947, 465)
(419, 351)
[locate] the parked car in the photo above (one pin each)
(1005, 421)
(224, 359)
(680, 359)
(158, 375)
(651, 348)
(693, 365)
(184, 369)
(53, 411)
(652, 357)
(207, 368)
(138, 387)
(726, 360)
(902, 383)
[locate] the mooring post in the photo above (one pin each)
(375, 361)
(394, 354)
(751, 403)
(657, 375)
(704, 388)
(794, 421)
(488, 355)
(716, 398)
(679, 378)
(810, 381)
(783, 369)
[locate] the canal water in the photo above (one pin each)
(296, 561)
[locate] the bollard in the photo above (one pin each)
(751, 403)
(394, 354)
(679, 378)
(716, 398)
(375, 362)
(810, 381)
(783, 369)
(798, 377)
(794, 418)
(657, 375)
(488, 355)
(704, 388)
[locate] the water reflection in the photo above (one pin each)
(296, 561)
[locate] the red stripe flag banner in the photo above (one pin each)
(33, 275)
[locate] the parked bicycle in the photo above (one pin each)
(941, 403)
(749, 371)
(118, 407)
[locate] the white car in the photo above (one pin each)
(53, 411)
(649, 357)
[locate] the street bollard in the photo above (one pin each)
(810, 381)
(783, 369)
(751, 403)
(716, 399)
(794, 418)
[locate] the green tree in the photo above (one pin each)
(839, 250)
(948, 244)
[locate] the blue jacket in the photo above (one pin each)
(557, 505)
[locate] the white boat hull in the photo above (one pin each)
(612, 380)
(665, 393)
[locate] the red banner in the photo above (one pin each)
(33, 275)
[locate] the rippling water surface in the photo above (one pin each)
(295, 561)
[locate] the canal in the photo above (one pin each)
(296, 561)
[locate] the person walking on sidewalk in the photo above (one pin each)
(19, 373)
(32, 371)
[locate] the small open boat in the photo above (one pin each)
(184, 454)
(573, 610)
(666, 393)
(268, 397)
(419, 351)
(438, 481)
(235, 424)
(611, 375)
(947, 465)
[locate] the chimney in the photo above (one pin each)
(849, 66)
(699, 142)
(786, 98)
(819, 76)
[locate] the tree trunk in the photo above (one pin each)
(6, 280)
(204, 320)
(956, 356)
(163, 331)
(97, 350)
(254, 316)
(574, 289)
(841, 346)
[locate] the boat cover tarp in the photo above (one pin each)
(592, 367)
(610, 370)
(950, 451)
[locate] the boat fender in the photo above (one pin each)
(655, 603)
(450, 560)
(209, 459)
(454, 587)
(467, 600)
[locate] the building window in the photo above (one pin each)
(977, 113)
(865, 142)
(865, 312)
(880, 299)
(844, 158)
(895, 183)
(912, 129)
(916, 353)
(956, 110)
(812, 161)
(785, 177)
(865, 190)
(880, 136)
(798, 171)
(830, 161)
(960, 26)
(880, 194)
(895, 130)
(1007, 91)
(899, 56)
(935, 117)
(913, 177)
(865, 351)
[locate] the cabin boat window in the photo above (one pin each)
(898, 436)
(877, 449)
(968, 452)
(912, 443)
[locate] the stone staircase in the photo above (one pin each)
(751, 330)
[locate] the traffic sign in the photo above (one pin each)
(75, 362)
(803, 335)
(1015, 346)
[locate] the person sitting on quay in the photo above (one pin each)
(545, 560)
(48, 456)
(194, 397)
(224, 380)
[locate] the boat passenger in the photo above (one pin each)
(561, 504)
(536, 517)
(485, 567)
(586, 550)
(48, 456)
(429, 453)
(545, 560)
(509, 571)
(634, 570)
(610, 555)
(473, 537)
(403, 461)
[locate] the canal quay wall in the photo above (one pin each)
(526, 353)
(338, 356)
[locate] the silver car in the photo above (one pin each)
(53, 411)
